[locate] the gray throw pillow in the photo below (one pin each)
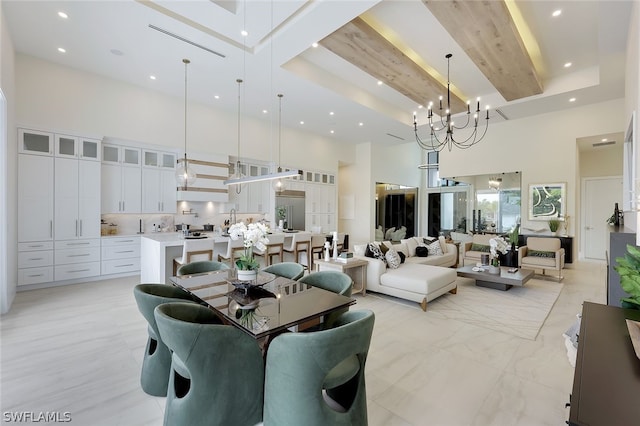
(393, 259)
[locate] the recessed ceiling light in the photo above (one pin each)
(361, 124)
(244, 33)
(379, 83)
(568, 64)
(419, 106)
(314, 44)
(330, 112)
(216, 96)
(63, 15)
(556, 13)
(152, 77)
(604, 139)
(332, 132)
(62, 50)
(572, 100)
(302, 122)
(264, 111)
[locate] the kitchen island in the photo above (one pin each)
(158, 250)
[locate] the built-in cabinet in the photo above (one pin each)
(320, 206)
(120, 255)
(158, 182)
(58, 206)
(121, 189)
(253, 197)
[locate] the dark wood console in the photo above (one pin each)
(606, 383)
(565, 242)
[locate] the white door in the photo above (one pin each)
(89, 199)
(66, 199)
(600, 195)
(35, 198)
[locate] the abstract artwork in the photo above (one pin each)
(547, 201)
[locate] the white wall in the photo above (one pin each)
(632, 96)
(357, 186)
(64, 99)
(8, 174)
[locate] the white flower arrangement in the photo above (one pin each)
(498, 244)
(253, 235)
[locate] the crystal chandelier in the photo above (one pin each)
(441, 133)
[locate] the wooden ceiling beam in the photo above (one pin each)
(362, 46)
(489, 36)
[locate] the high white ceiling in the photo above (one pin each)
(277, 55)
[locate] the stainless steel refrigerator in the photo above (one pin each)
(293, 202)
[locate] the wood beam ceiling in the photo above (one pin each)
(362, 46)
(489, 36)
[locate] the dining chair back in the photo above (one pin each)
(156, 363)
(289, 270)
(334, 281)
(200, 267)
(217, 371)
(192, 251)
(317, 379)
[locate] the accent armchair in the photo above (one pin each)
(542, 253)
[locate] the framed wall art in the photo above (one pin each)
(547, 201)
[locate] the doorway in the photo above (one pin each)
(599, 195)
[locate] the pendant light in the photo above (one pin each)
(185, 176)
(279, 184)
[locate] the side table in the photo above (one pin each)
(351, 267)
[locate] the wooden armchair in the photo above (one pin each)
(542, 253)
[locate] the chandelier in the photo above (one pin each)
(441, 131)
(494, 183)
(185, 175)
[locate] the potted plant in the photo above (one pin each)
(497, 246)
(629, 269)
(513, 235)
(253, 235)
(281, 212)
(554, 224)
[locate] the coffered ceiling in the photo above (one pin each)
(376, 62)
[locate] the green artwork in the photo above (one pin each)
(546, 201)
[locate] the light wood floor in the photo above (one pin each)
(78, 349)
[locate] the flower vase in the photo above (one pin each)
(247, 275)
(493, 269)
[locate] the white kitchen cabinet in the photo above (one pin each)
(120, 255)
(77, 147)
(35, 142)
(35, 198)
(77, 199)
(121, 186)
(76, 259)
(158, 182)
(35, 262)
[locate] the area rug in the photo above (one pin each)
(520, 311)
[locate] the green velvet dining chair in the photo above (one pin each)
(289, 270)
(334, 281)
(200, 267)
(156, 363)
(318, 378)
(217, 371)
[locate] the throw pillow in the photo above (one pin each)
(422, 251)
(443, 244)
(402, 256)
(480, 247)
(375, 250)
(540, 253)
(435, 249)
(384, 248)
(368, 252)
(393, 259)
(411, 244)
(428, 240)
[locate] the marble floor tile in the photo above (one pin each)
(79, 348)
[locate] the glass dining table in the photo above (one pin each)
(264, 307)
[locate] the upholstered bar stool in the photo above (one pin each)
(157, 358)
(274, 248)
(217, 371)
(233, 247)
(300, 243)
(317, 246)
(303, 369)
(193, 250)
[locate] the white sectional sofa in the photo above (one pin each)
(419, 279)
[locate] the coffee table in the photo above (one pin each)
(502, 281)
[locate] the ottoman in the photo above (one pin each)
(419, 283)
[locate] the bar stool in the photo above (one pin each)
(193, 250)
(233, 246)
(274, 248)
(300, 243)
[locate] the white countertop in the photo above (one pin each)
(176, 238)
